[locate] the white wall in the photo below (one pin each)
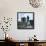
(9, 8)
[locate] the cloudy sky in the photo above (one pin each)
(20, 15)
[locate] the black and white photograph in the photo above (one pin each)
(25, 20)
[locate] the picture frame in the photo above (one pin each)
(25, 20)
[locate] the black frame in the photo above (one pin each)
(25, 12)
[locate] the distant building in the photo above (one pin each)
(23, 19)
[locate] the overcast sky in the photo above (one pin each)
(20, 15)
